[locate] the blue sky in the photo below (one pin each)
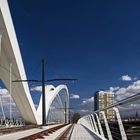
(95, 41)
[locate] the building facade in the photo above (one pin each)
(103, 99)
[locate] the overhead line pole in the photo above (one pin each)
(43, 94)
(43, 81)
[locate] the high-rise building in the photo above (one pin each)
(103, 99)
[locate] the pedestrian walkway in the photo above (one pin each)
(82, 133)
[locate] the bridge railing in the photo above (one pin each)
(125, 123)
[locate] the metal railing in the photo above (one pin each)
(124, 125)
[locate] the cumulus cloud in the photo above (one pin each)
(88, 101)
(126, 78)
(124, 92)
(121, 93)
(74, 96)
(113, 89)
(36, 88)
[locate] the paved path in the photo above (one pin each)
(81, 133)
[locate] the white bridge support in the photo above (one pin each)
(10, 54)
(87, 122)
(94, 123)
(107, 126)
(90, 125)
(99, 125)
(122, 131)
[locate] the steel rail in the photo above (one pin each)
(66, 134)
(42, 133)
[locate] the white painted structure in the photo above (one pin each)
(107, 126)
(86, 122)
(122, 131)
(10, 54)
(92, 125)
(55, 103)
(94, 122)
(99, 125)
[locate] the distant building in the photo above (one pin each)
(103, 99)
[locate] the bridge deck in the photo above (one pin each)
(81, 133)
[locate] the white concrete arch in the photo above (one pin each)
(51, 93)
(10, 54)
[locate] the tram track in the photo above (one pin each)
(42, 134)
(66, 135)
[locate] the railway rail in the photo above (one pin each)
(43, 133)
(67, 133)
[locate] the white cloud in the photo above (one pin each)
(74, 96)
(36, 88)
(126, 78)
(113, 89)
(88, 101)
(128, 91)
(124, 92)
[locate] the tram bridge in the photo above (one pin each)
(11, 65)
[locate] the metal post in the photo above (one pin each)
(99, 125)
(107, 126)
(123, 134)
(43, 94)
(92, 123)
(96, 129)
(65, 112)
(69, 116)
